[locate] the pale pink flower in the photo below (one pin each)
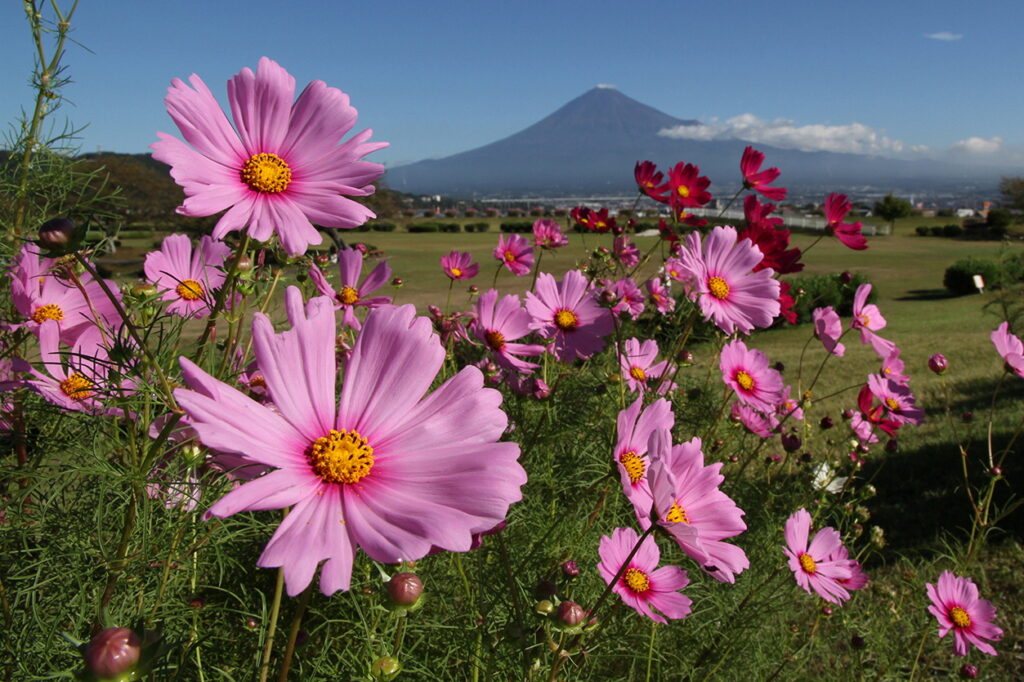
(639, 370)
(388, 467)
(628, 298)
(643, 586)
(728, 292)
(625, 251)
(897, 399)
(548, 235)
(75, 380)
(185, 277)
(955, 604)
(515, 253)
(498, 324)
(457, 265)
(817, 566)
(634, 426)
(893, 368)
(352, 294)
(747, 373)
(568, 313)
(755, 421)
(868, 319)
(1010, 349)
(659, 296)
(280, 168)
(829, 328)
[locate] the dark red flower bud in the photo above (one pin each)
(113, 652)
(791, 442)
(996, 470)
(397, 282)
(826, 422)
(968, 671)
(779, 367)
(570, 569)
(848, 414)
(685, 357)
(857, 642)
(56, 234)
(938, 363)
(826, 610)
(405, 588)
(473, 289)
(570, 613)
(967, 417)
(734, 458)
(845, 277)
(892, 445)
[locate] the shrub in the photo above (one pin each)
(477, 227)
(959, 277)
(382, 226)
(952, 230)
(424, 227)
(817, 291)
(450, 227)
(519, 226)
(922, 230)
(936, 230)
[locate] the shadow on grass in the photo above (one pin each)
(925, 295)
(921, 498)
(975, 395)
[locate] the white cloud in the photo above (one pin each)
(977, 145)
(605, 86)
(944, 35)
(854, 138)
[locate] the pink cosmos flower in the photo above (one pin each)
(1010, 349)
(498, 324)
(568, 312)
(836, 208)
(756, 179)
(893, 368)
(548, 235)
(515, 253)
(457, 265)
(625, 251)
(789, 406)
(628, 297)
(643, 586)
(280, 168)
(659, 296)
(185, 277)
(353, 295)
(897, 399)
(690, 506)
(41, 292)
(747, 373)
(829, 328)
(862, 429)
(817, 567)
(755, 421)
(387, 468)
(955, 604)
(858, 578)
(650, 181)
(634, 427)
(75, 380)
(728, 292)
(868, 319)
(639, 369)
(875, 414)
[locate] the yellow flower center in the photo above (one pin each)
(190, 290)
(677, 514)
(495, 340)
(50, 311)
(683, 191)
(807, 563)
(633, 464)
(266, 173)
(76, 387)
(509, 256)
(456, 273)
(745, 381)
(636, 580)
(638, 373)
(348, 295)
(864, 320)
(959, 617)
(257, 380)
(892, 404)
(566, 320)
(341, 457)
(718, 288)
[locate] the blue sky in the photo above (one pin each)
(912, 77)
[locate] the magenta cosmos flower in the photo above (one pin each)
(280, 168)
(955, 604)
(185, 277)
(457, 265)
(568, 313)
(548, 235)
(868, 319)
(1010, 349)
(836, 208)
(758, 180)
(829, 329)
(643, 586)
(75, 381)
(747, 373)
(498, 324)
(690, 506)
(721, 281)
(639, 370)
(659, 296)
(388, 467)
(352, 294)
(515, 253)
(40, 292)
(627, 296)
(817, 567)
(634, 427)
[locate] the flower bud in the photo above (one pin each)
(397, 282)
(252, 623)
(570, 613)
(857, 642)
(684, 357)
(405, 588)
(244, 263)
(791, 442)
(113, 652)
(734, 458)
(996, 470)
(845, 277)
(892, 445)
(473, 289)
(541, 391)
(826, 610)
(144, 289)
(57, 234)
(779, 367)
(968, 671)
(967, 417)
(938, 363)
(826, 422)
(570, 569)
(385, 668)
(806, 457)
(544, 607)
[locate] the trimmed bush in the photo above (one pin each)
(518, 226)
(477, 227)
(936, 230)
(382, 226)
(450, 227)
(423, 227)
(959, 277)
(922, 230)
(952, 231)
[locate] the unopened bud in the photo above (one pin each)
(544, 607)
(791, 442)
(473, 289)
(857, 642)
(385, 668)
(113, 652)
(968, 671)
(845, 277)
(397, 282)
(967, 417)
(684, 357)
(779, 367)
(570, 569)
(57, 234)
(570, 613)
(826, 422)
(938, 363)
(244, 263)
(405, 588)
(848, 414)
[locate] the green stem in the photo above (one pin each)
(293, 633)
(275, 609)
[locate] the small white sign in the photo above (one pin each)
(979, 283)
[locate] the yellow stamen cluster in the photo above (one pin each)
(683, 191)
(456, 273)
(633, 464)
(266, 173)
(566, 320)
(348, 295)
(745, 381)
(807, 563)
(495, 340)
(50, 311)
(636, 580)
(341, 457)
(190, 290)
(892, 404)
(509, 256)
(77, 387)
(959, 617)
(677, 514)
(718, 288)
(638, 373)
